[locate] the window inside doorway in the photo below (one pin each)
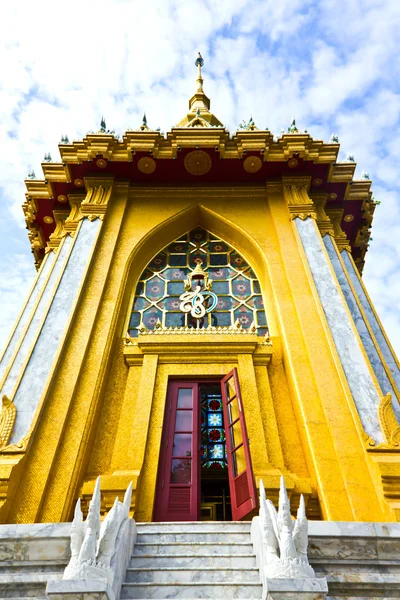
(215, 495)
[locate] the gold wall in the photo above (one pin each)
(104, 413)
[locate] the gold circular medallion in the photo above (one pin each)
(79, 182)
(146, 164)
(292, 163)
(62, 198)
(316, 182)
(101, 163)
(197, 162)
(252, 164)
(349, 218)
(48, 220)
(332, 196)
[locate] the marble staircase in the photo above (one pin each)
(193, 560)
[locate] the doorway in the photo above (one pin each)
(204, 470)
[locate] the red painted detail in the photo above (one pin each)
(178, 481)
(241, 478)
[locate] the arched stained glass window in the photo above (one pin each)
(161, 284)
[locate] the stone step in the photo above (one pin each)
(194, 590)
(34, 566)
(179, 575)
(25, 585)
(230, 561)
(193, 548)
(197, 536)
(193, 526)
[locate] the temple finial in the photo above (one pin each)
(199, 62)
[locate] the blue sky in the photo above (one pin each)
(331, 64)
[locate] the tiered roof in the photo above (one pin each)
(250, 156)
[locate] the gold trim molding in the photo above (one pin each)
(296, 194)
(388, 421)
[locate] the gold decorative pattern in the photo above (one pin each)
(349, 218)
(340, 236)
(60, 231)
(146, 165)
(48, 220)
(388, 421)
(323, 221)
(61, 198)
(101, 163)
(197, 162)
(292, 163)
(7, 420)
(252, 164)
(296, 194)
(332, 196)
(302, 215)
(97, 196)
(317, 182)
(79, 182)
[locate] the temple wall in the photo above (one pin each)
(103, 412)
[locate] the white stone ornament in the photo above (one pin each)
(285, 542)
(280, 544)
(93, 543)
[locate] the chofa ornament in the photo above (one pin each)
(93, 542)
(285, 541)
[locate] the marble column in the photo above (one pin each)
(355, 363)
(372, 318)
(28, 337)
(27, 311)
(367, 336)
(41, 363)
(34, 361)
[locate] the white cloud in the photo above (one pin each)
(334, 66)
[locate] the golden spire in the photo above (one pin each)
(199, 101)
(199, 104)
(199, 63)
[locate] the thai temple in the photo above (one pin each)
(198, 397)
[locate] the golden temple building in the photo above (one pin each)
(198, 323)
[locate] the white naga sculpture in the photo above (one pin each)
(93, 542)
(284, 541)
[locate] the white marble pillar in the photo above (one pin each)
(27, 311)
(372, 318)
(34, 379)
(366, 335)
(28, 337)
(359, 375)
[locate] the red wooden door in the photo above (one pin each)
(241, 479)
(178, 484)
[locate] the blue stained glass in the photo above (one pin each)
(175, 288)
(135, 320)
(221, 319)
(220, 287)
(177, 260)
(216, 451)
(215, 420)
(140, 303)
(261, 317)
(174, 319)
(162, 282)
(176, 274)
(219, 259)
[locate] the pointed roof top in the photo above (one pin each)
(199, 104)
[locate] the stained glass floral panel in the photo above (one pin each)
(162, 282)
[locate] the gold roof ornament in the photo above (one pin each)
(197, 274)
(199, 104)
